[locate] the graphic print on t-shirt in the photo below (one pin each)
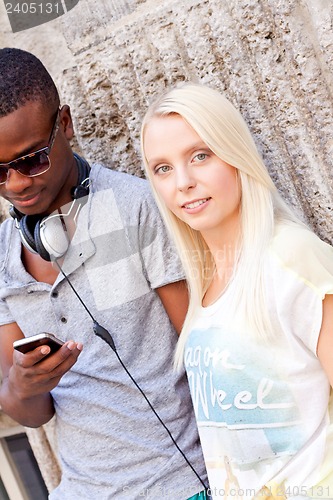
(245, 410)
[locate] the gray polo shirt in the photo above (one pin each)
(111, 445)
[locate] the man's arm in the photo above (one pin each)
(174, 297)
(27, 379)
(325, 342)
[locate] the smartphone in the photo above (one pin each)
(29, 343)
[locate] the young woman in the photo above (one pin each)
(258, 338)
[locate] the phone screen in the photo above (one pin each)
(30, 343)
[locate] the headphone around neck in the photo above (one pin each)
(47, 236)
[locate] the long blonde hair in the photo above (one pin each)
(222, 128)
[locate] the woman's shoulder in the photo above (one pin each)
(302, 252)
(292, 238)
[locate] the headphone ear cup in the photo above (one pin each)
(27, 226)
(39, 244)
(51, 238)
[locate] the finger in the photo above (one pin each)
(50, 377)
(46, 374)
(70, 349)
(31, 358)
(61, 361)
(43, 361)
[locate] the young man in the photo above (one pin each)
(119, 272)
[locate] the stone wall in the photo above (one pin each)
(272, 58)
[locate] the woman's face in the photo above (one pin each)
(195, 184)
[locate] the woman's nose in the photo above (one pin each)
(185, 179)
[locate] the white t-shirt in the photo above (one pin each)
(263, 408)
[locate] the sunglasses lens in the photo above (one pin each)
(33, 165)
(30, 166)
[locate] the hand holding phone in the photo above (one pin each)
(30, 343)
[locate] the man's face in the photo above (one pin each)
(27, 130)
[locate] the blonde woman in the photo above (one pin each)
(258, 338)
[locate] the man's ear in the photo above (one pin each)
(66, 122)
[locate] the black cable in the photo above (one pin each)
(160, 420)
(105, 335)
(70, 284)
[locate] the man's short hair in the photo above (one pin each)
(23, 79)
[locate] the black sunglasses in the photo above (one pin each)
(32, 164)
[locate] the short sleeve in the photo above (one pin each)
(5, 316)
(303, 276)
(310, 258)
(160, 260)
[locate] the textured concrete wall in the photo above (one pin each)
(272, 58)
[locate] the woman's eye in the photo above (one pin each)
(200, 156)
(162, 169)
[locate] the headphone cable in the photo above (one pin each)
(105, 335)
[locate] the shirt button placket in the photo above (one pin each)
(55, 295)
